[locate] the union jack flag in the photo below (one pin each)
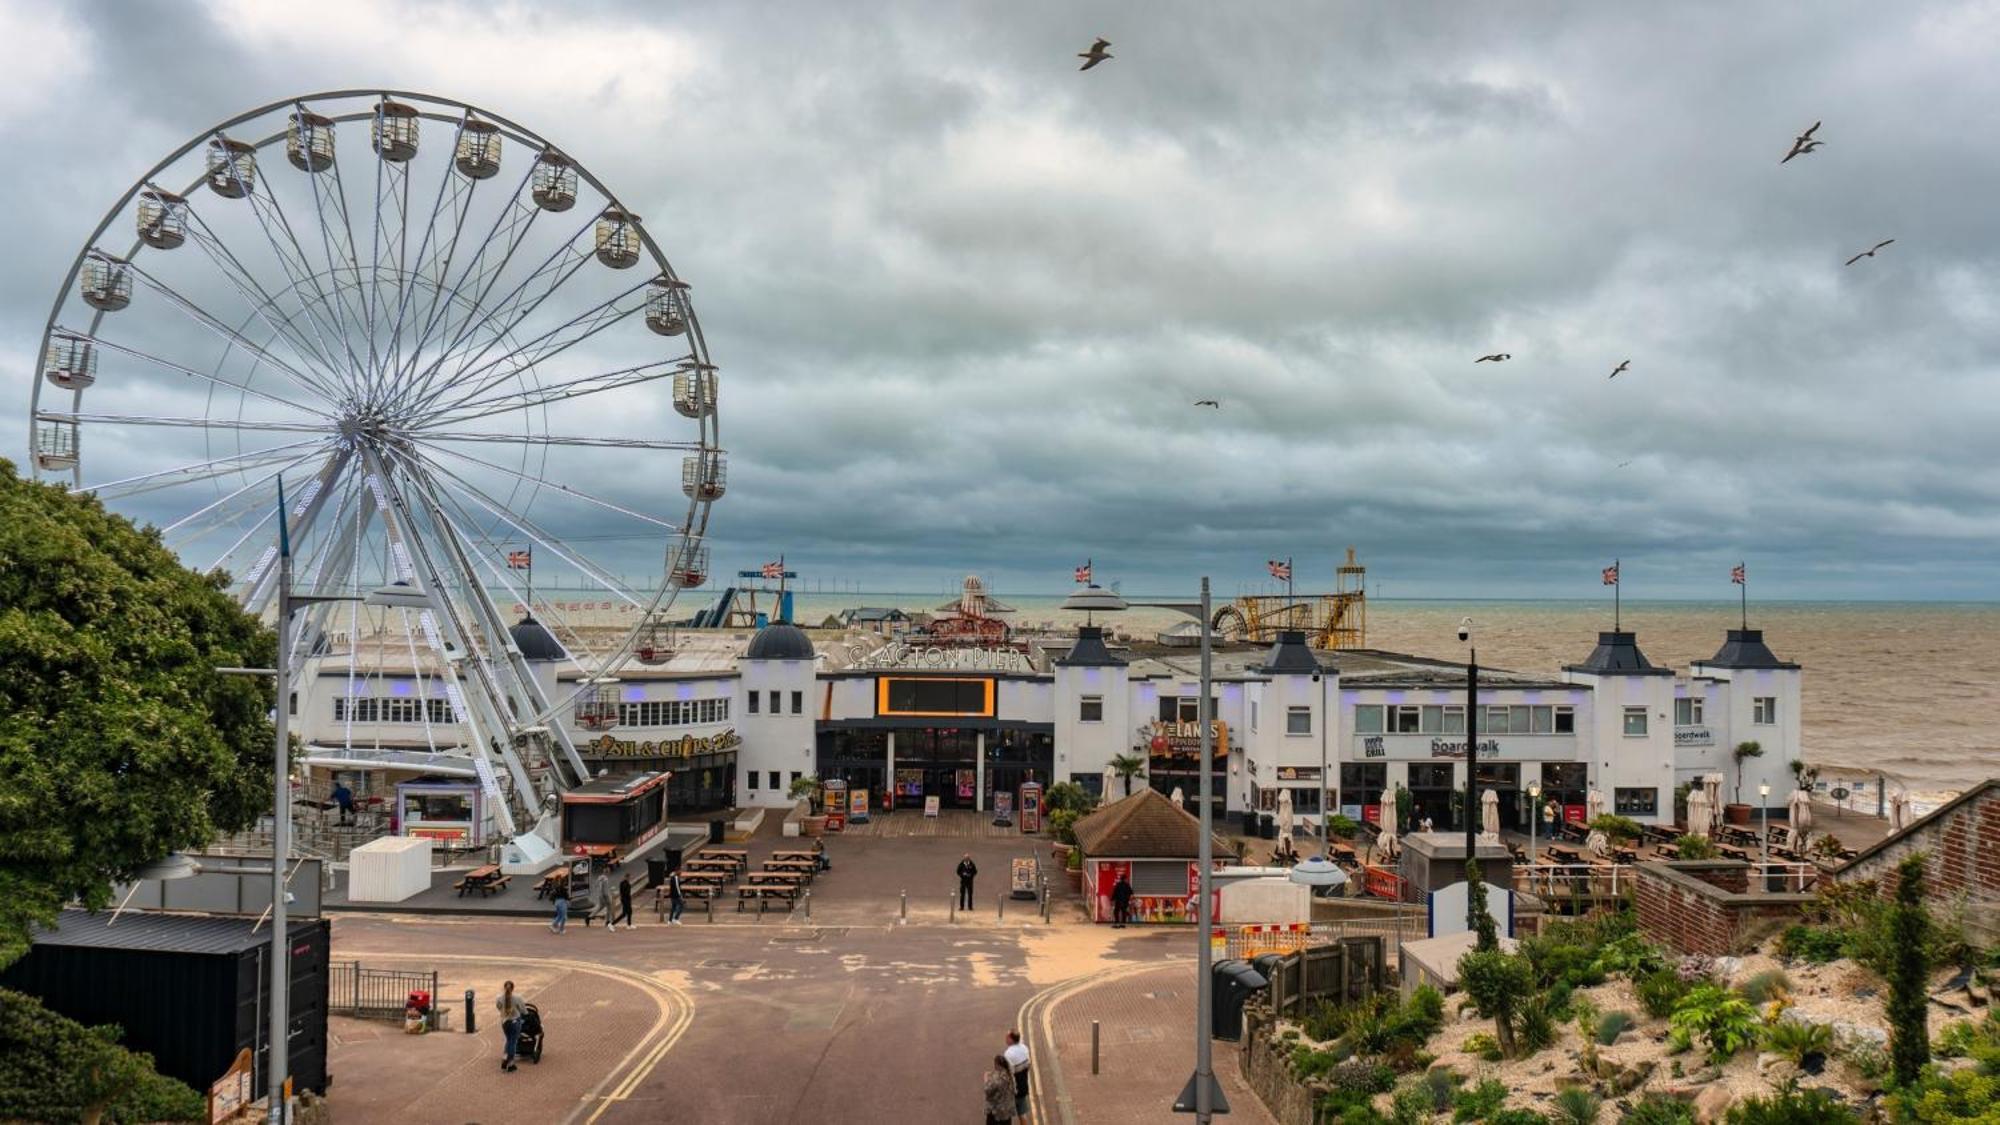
(1611, 575)
(1083, 573)
(1282, 571)
(774, 569)
(1737, 574)
(521, 560)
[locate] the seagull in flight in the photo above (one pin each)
(1622, 464)
(1803, 143)
(1095, 55)
(1496, 357)
(1208, 402)
(1619, 368)
(1870, 252)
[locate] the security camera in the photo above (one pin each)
(1465, 629)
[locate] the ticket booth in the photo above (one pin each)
(448, 812)
(1031, 806)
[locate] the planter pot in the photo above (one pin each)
(1075, 878)
(815, 826)
(1061, 854)
(1736, 814)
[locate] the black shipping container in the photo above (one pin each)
(189, 990)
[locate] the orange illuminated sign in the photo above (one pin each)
(934, 697)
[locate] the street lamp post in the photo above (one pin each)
(1764, 813)
(1471, 759)
(1534, 814)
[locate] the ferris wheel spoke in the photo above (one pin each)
(503, 368)
(170, 365)
(578, 387)
(541, 538)
(571, 490)
(260, 299)
(307, 504)
(510, 224)
(291, 257)
(554, 439)
(389, 176)
(193, 472)
(228, 498)
(353, 294)
(561, 264)
(185, 423)
(215, 324)
(409, 281)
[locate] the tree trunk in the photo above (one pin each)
(1503, 1030)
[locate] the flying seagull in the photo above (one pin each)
(1496, 357)
(1620, 367)
(1095, 55)
(1870, 252)
(1622, 464)
(1208, 402)
(1803, 143)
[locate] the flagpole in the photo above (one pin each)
(1744, 595)
(1617, 582)
(1288, 578)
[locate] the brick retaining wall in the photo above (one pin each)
(1267, 1068)
(1702, 907)
(1961, 842)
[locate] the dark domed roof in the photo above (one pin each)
(535, 641)
(780, 640)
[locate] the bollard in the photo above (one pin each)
(471, 1024)
(1000, 906)
(809, 905)
(1093, 1046)
(906, 906)
(953, 917)
(709, 902)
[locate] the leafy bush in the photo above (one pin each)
(1342, 827)
(1630, 954)
(1062, 825)
(1578, 1106)
(1309, 1063)
(1359, 1076)
(1480, 1102)
(1483, 1046)
(1534, 1025)
(53, 1068)
(1772, 984)
(1817, 945)
(1792, 1106)
(1439, 1085)
(1617, 827)
(1963, 1096)
(1067, 795)
(1713, 1015)
(1797, 1040)
(1869, 1060)
(1967, 1039)
(1610, 1026)
(1658, 1109)
(1517, 1117)
(1412, 1106)
(1694, 846)
(1075, 860)
(1584, 1011)
(1660, 991)
(1496, 982)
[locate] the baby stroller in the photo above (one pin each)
(529, 1045)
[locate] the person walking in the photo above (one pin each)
(1016, 1058)
(511, 1013)
(603, 902)
(999, 1091)
(676, 901)
(967, 871)
(625, 902)
(343, 799)
(1121, 902)
(561, 896)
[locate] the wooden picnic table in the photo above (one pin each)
(741, 855)
(551, 882)
(798, 855)
(1667, 851)
(791, 865)
(710, 865)
(777, 878)
(486, 880)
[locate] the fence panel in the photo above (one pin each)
(375, 993)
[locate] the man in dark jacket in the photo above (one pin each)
(1121, 902)
(625, 901)
(676, 901)
(967, 870)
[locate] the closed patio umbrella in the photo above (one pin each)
(1489, 816)
(1598, 844)
(1179, 798)
(1113, 790)
(1594, 804)
(1385, 840)
(1698, 820)
(1714, 787)
(1285, 813)
(1899, 811)
(1800, 811)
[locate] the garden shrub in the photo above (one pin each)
(1713, 1015)
(1909, 974)
(1480, 1102)
(1517, 1117)
(1497, 982)
(1308, 1063)
(1577, 1106)
(1772, 984)
(1659, 1109)
(1483, 1046)
(1439, 1085)
(1359, 1076)
(1341, 826)
(1797, 1040)
(1660, 991)
(1816, 945)
(1792, 1106)
(1696, 847)
(1610, 1026)
(1412, 1106)
(1968, 1039)
(1062, 825)
(1959, 1098)
(1584, 1011)
(1534, 1025)
(53, 1068)
(1630, 954)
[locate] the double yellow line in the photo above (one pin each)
(1036, 1020)
(675, 1008)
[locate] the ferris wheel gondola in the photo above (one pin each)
(347, 292)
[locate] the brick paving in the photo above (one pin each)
(1146, 1053)
(955, 824)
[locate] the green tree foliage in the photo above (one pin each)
(1743, 752)
(1496, 982)
(1475, 898)
(1127, 767)
(118, 740)
(1067, 795)
(55, 1069)
(1692, 846)
(1909, 974)
(1617, 827)
(1792, 1106)
(1714, 1015)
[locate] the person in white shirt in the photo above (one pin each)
(1016, 1055)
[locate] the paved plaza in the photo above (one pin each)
(853, 1015)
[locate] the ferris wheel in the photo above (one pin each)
(424, 320)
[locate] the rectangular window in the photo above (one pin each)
(1090, 709)
(1518, 721)
(1636, 802)
(1635, 722)
(1406, 720)
(1367, 718)
(1764, 710)
(1687, 711)
(774, 781)
(1432, 775)
(774, 705)
(1454, 719)
(795, 777)
(753, 787)
(798, 703)
(1298, 720)
(1433, 721)
(1496, 721)
(1253, 714)
(933, 696)
(753, 711)
(1543, 719)
(1565, 720)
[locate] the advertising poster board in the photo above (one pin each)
(1031, 806)
(230, 1094)
(931, 805)
(1108, 873)
(967, 781)
(1003, 807)
(1574, 814)
(857, 805)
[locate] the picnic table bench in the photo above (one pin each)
(717, 863)
(814, 856)
(486, 880)
(763, 893)
(552, 882)
(803, 866)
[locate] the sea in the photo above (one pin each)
(1905, 691)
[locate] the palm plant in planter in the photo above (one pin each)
(1127, 767)
(1736, 812)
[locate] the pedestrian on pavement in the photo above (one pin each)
(625, 902)
(999, 1091)
(676, 901)
(343, 799)
(1016, 1057)
(1428, 826)
(604, 902)
(511, 1013)
(967, 871)
(1121, 902)
(562, 909)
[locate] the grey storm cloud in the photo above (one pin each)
(962, 296)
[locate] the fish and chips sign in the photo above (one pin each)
(1183, 739)
(686, 746)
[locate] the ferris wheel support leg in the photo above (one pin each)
(302, 523)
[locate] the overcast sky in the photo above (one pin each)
(963, 296)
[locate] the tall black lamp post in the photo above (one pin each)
(1471, 758)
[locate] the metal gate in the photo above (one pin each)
(375, 993)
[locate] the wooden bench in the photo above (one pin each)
(763, 894)
(777, 878)
(801, 866)
(485, 887)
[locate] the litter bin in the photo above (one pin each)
(1235, 982)
(715, 828)
(1267, 826)
(656, 871)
